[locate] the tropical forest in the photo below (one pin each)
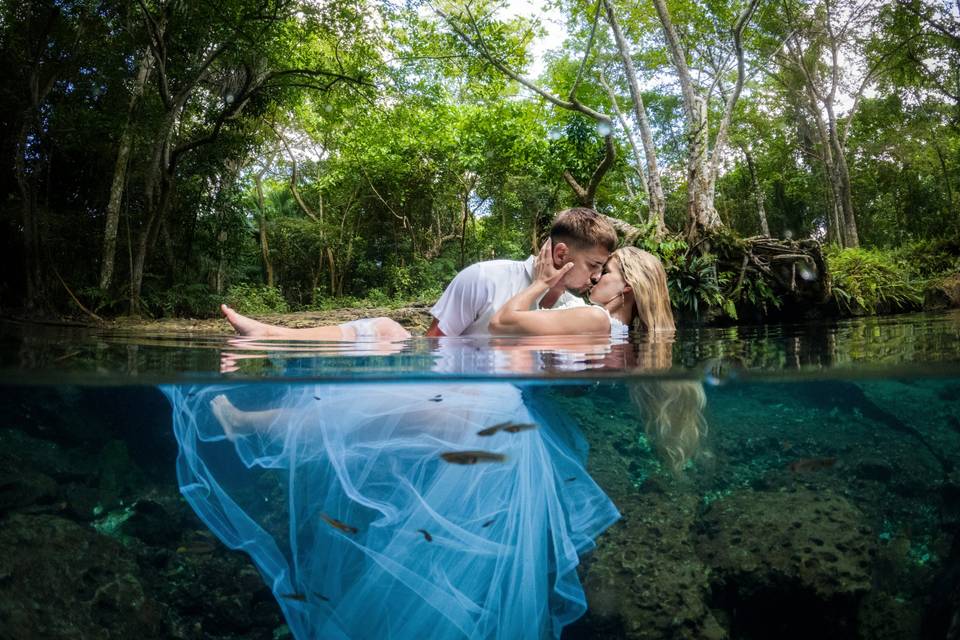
(781, 157)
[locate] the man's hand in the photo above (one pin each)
(434, 331)
(544, 271)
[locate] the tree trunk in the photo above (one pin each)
(31, 225)
(757, 193)
(146, 240)
(850, 236)
(262, 223)
(654, 185)
(120, 176)
(464, 214)
(701, 215)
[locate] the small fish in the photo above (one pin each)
(321, 596)
(509, 427)
(299, 597)
(811, 464)
(571, 479)
(488, 523)
(197, 547)
(67, 356)
(336, 524)
(436, 398)
(472, 457)
(489, 431)
(517, 428)
(426, 535)
(316, 397)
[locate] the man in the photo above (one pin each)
(579, 235)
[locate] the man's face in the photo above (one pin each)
(587, 265)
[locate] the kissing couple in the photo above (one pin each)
(627, 288)
(432, 509)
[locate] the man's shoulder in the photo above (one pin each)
(499, 266)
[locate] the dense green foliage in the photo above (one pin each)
(162, 157)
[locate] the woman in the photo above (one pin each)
(632, 290)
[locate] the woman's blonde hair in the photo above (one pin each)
(645, 274)
(672, 413)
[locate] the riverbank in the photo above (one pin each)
(415, 317)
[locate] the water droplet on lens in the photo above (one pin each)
(553, 134)
(788, 234)
(807, 273)
(328, 108)
(228, 98)
(604, 128)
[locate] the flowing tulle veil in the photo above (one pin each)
(362, 529)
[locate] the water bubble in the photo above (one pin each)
(228, 98)
(718, 372)
(328, 108)
(604, 128)
(553, 134)
(807, 272)
(788, 234)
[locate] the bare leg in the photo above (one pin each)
(236, 422)
(254, 329)
(246, 326)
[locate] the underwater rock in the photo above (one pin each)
(81, 501)
(152, 524)
(44, 456)
(794, 564)
(950, 502)
(644, 580)
(873, 469)
(119, 476)
(21, 488)
(942, 616)
(74, 583)
(883, 616)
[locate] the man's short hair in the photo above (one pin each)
(583, 228)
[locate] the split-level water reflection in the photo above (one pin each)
(819, 500)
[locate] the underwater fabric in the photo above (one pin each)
(341, 496)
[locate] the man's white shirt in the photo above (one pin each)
(469, 302)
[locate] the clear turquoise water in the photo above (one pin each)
(824, 500)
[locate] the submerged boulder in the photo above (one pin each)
(792, 563)
(644, 580)
(73, 583)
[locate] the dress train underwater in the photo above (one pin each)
(363, 529)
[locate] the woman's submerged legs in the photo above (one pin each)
(503, 537)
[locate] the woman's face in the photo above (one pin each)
(611, 283)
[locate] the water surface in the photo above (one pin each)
(823, 500)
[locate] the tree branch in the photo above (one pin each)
(720, 139)
(586, 54)
(480, 47)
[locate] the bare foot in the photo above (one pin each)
(226, 414)
(245, 326)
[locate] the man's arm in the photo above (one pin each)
(461, 302)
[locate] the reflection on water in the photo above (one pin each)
(915, 343)
(819, 505)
